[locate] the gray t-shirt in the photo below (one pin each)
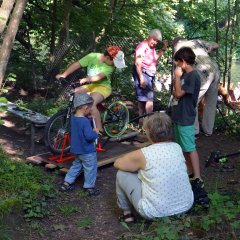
(184, 109)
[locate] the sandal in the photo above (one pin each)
(66, 187)
(124, 217)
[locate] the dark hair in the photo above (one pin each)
(158, 127)
(107, 54)
(185, 54)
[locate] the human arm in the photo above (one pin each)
(138, 64)
(91, 79)
(178, 91)
(131, 162)
(163, 49)
(72, 68)
(89, 133)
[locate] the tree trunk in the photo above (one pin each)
(64, 32)
(233, 38)
(53, 29)
(10, 36)
(5, 11)
(216, 26)
(226, 68)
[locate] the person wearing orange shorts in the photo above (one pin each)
(99, 69)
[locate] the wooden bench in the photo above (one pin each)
(35, 119)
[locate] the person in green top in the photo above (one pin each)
(99, 69)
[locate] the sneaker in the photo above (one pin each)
(197, 183)
(92, 191)
(66, 187)
(191, 176)
(201, 197)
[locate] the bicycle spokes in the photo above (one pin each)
(115, 119)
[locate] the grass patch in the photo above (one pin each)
(68, 209)
(221, 220)
(85, 222)
(23, 187)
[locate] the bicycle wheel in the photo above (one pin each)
(115, 119)
(57, 133)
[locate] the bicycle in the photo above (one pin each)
(115, 119)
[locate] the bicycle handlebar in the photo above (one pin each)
(73, 85)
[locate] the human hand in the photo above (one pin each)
(178, 72)
(60, 76)
(97, 131)
(142, 82)
(84, 80)
(165, 45)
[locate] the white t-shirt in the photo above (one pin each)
(166, 189)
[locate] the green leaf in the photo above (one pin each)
(125, 226)
(3, 100)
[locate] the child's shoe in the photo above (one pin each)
(92, 191)
(66, 187)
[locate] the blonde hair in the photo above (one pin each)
(158, 127)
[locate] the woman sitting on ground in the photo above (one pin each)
(153, 180)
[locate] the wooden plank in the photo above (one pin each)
(124, 137)
(107, 161)
(113, 151)
(29, 115)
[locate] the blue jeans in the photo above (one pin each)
(89, 164)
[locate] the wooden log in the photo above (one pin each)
(124, 137)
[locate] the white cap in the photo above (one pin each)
(118, 60)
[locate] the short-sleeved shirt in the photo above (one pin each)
(166, 189)
(94, 67)
(82, 136)
(184, 109)
(149, 56)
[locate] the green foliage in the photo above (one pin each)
(68, 209)
(4, 231)
(23, 187)
(224, 209)
(230, 123)
(85, 222)
(46, 107)
(224, 212)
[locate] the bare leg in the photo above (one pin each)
(149, 106)
(97, 97)
(192, 160)
(188, 163)
(141, 108)
(81, 90)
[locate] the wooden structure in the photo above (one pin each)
(35, 119)
(114, 149)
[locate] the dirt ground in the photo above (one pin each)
(101, 211)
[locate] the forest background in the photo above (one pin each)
(39, 38)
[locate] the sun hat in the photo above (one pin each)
(117, 55)
(156, 33)
(82, 99)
